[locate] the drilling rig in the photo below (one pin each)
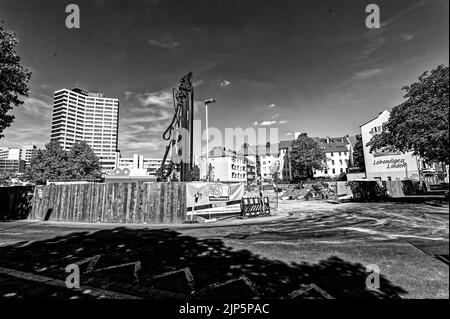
(180, 135)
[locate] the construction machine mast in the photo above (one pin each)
(180, 135)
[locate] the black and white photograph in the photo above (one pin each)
(226, 158)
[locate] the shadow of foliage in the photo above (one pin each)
(209, 260)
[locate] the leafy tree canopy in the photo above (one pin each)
(306, 155)
(195, 173)
(13, 78)
(358, 155)
(55, 164)
(421, 123)
(6, 177)
(84, 164)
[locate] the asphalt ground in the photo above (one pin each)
(327, 245)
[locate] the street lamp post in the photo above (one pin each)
(207, 136)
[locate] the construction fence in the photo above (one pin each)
(152, 203)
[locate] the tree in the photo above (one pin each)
(358, 156)
(13, 78)
(210, 173)
(55, 164)
(48, 164)
(275, 171)
(306, 155)
(195, 173)
(421, 123)
(6, 177)
(82, 162)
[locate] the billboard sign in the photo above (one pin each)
(214, 198)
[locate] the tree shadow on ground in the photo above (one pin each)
(209, 260)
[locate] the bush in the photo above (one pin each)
(317, 187)
(366, 190)
(441, 176)
(411, 187)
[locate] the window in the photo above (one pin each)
(332, 162)
(342, 170)
(334, 171)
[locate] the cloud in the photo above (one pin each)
(37, 108)
(289, 134)
(267, 123)
(363, 75)
(144, 118)
(164, 43)
(376, 41)
(366, 74)
(162, 98)
(282, 122)
(403, 12)
(225, 83)
(198, 83)
(407, 37)
(271, 106)
(275, 116)
(376, 37)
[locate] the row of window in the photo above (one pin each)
(340, 154)
(340, 162)
(333, 171)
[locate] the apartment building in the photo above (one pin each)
(339, 155)
(338, 152)
(25, 153)
(285, 147)
(79, 115)
(12, 165)
(226, 165)
(251, 170)
(387, 164)
(268, 159)
(138, 164)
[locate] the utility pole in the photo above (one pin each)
(207, 136)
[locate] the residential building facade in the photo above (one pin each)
(79, 115)
(339, 156)
(12, 165)
(227, 166)
(25, 153)
(384, 164)
(338, 152)
(251, 171)
(268, 159)
(138, 164)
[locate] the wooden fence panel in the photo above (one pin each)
(15, 202)
(136, 202)
(394, 188)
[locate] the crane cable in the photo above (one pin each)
(167, 135)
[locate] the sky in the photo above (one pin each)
(299, 66)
